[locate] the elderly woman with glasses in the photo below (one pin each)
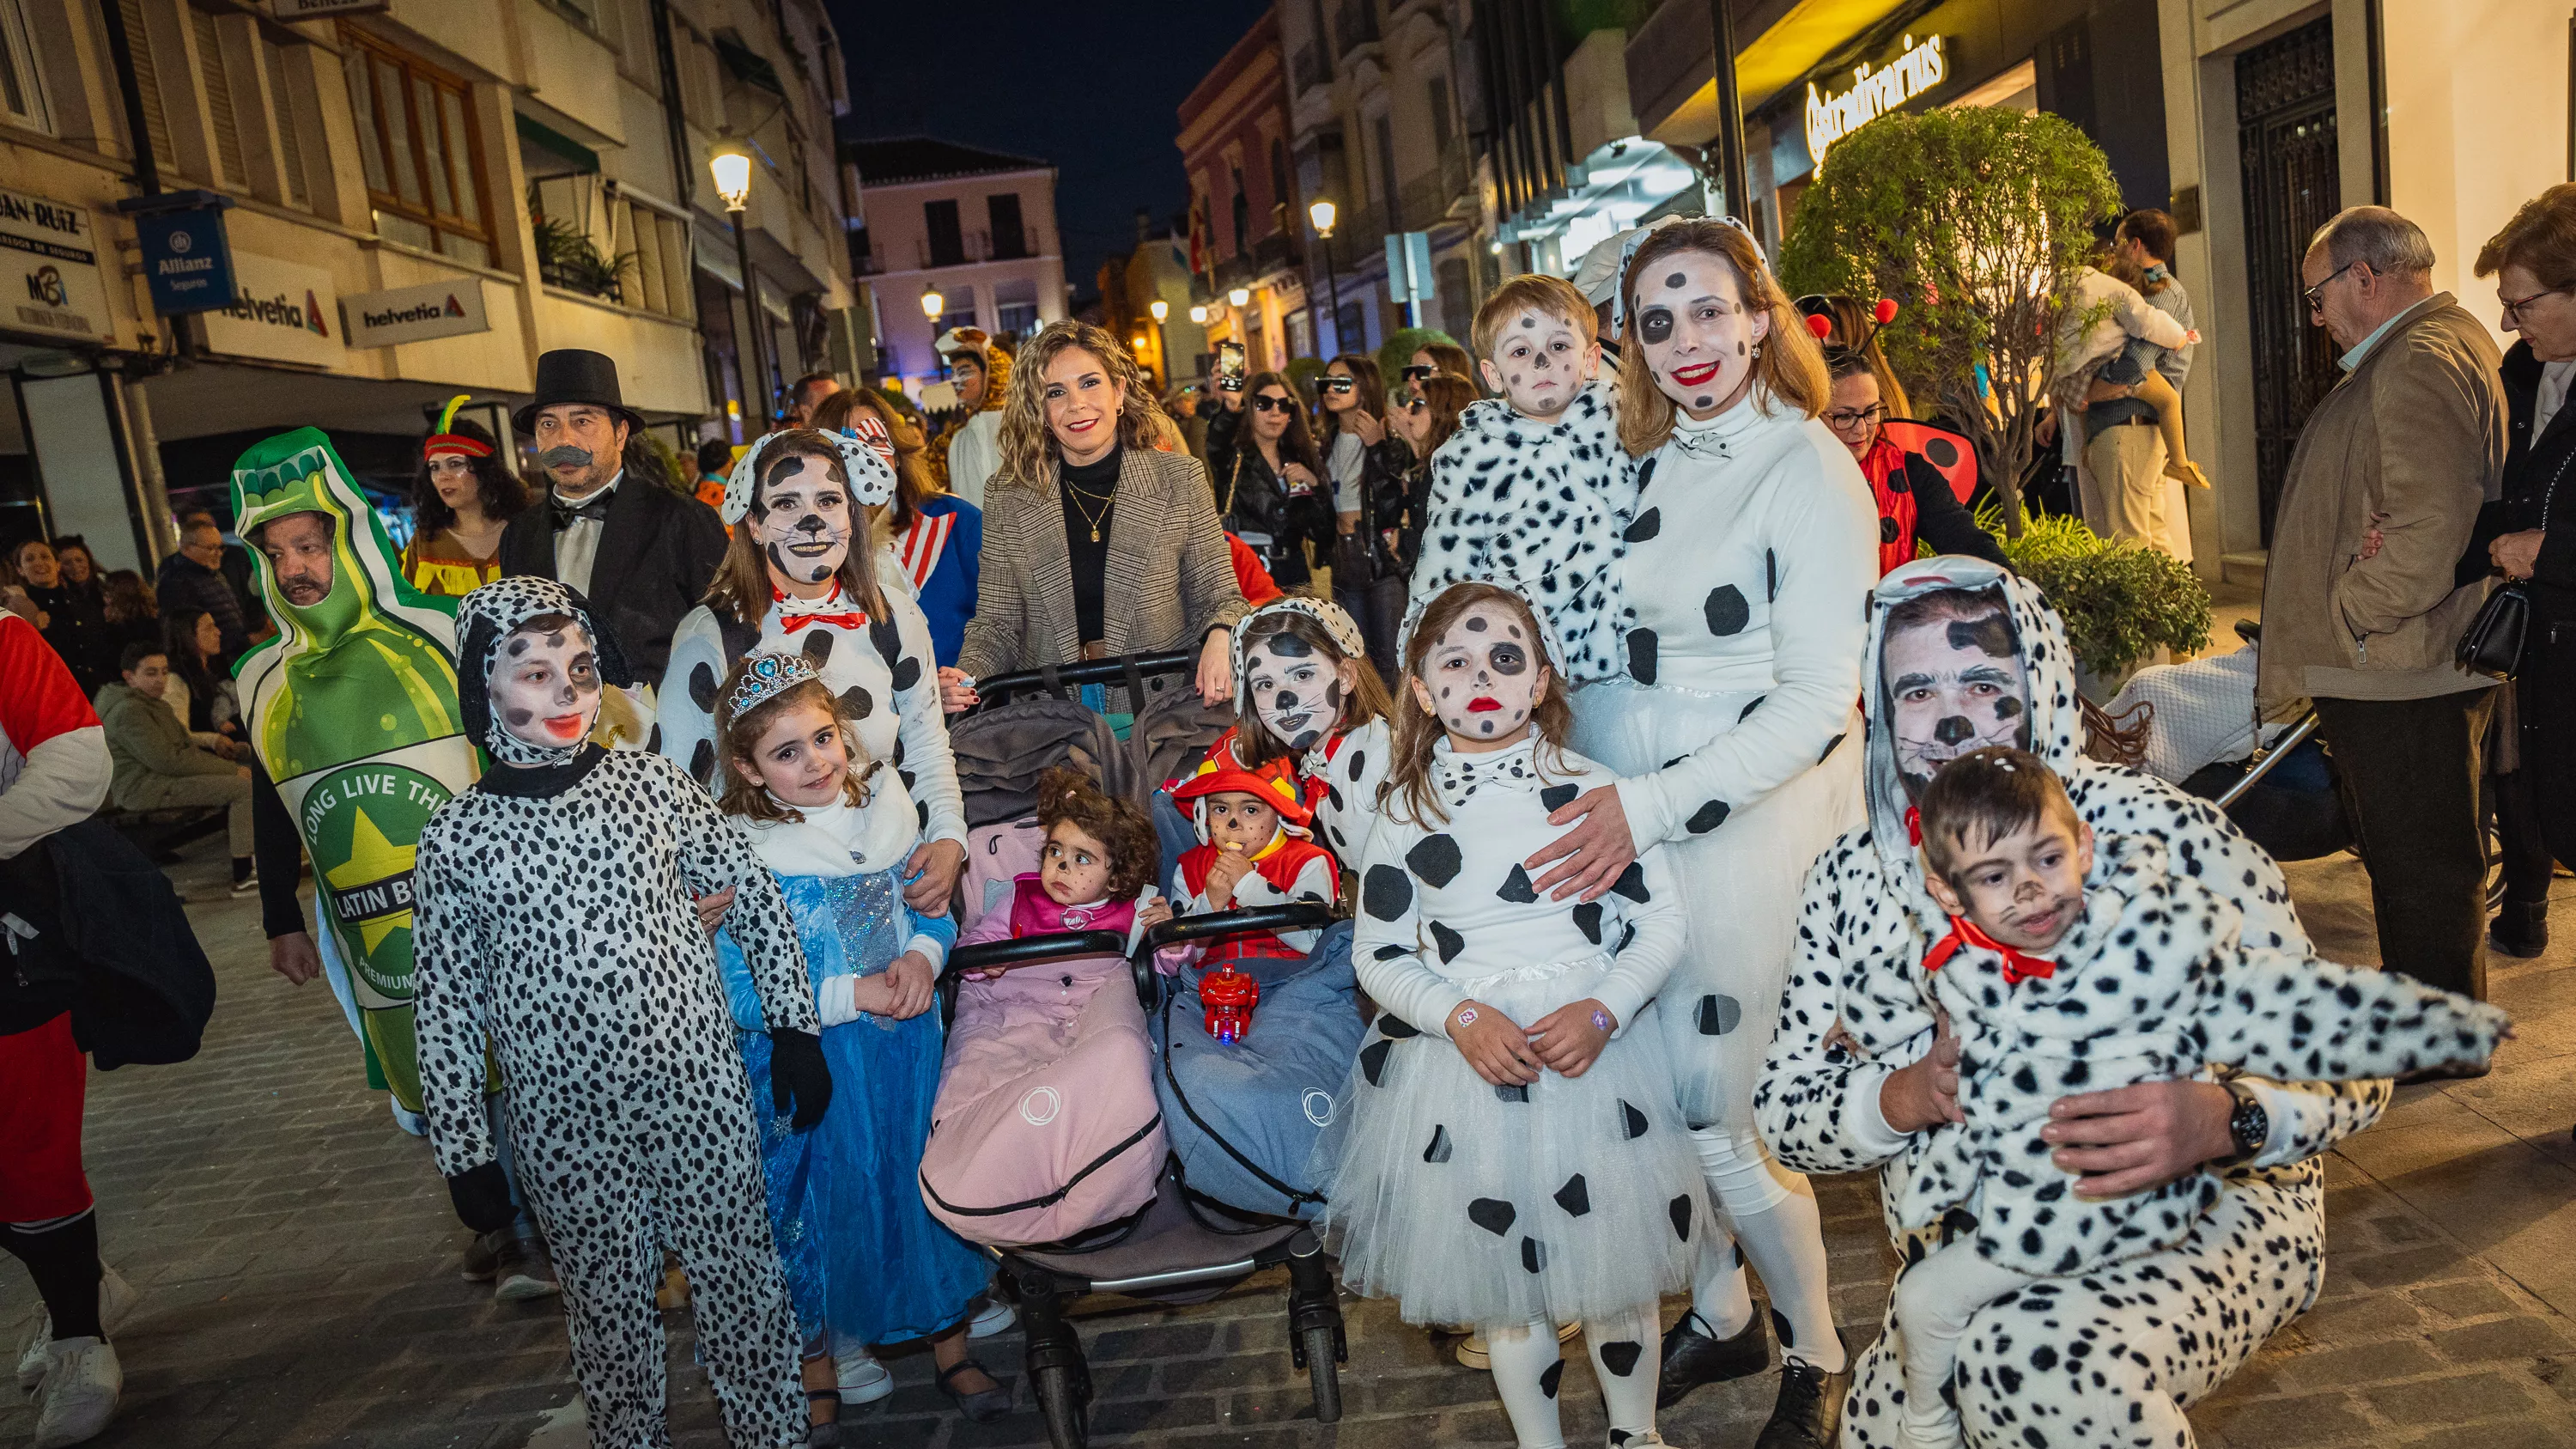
(1915, 504)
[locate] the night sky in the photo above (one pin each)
(1093, 88)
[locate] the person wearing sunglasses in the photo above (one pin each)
(1915, 503)
(1439, 359)
(2411, 441)
(1270, 492)
(1367, 468)
(1424, 420)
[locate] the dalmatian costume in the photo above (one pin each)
(883, 666)
(554, 917)
(1342, 769)
(2184, 1316)
(1545, 505)
(1754, 538)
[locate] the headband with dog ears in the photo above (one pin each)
(1337, 622)
(867, 456)
(1547, 638)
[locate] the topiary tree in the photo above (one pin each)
(1977, 221)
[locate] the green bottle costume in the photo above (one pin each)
(352, 710)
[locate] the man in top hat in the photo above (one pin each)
(643, 555)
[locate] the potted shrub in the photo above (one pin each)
(1977, 221)
(2121, 600)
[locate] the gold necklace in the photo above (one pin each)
(1106, 500)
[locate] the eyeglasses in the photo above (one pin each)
(1336, 384)
(1844, 420)
(1272, 402)
(2316, 304)
(2513, 305)
(1418, 372)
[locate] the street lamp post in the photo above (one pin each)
(1321, 214)
(1162, 358)
(732, 167)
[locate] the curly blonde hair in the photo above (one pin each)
(1028, 448)
(1791, 368)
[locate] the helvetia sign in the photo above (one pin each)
(1918, 68)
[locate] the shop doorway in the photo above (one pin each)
(2285, 116)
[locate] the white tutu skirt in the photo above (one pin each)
(1740, 884)
(1571, 1198)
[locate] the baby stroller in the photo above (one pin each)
(2277, 785)
(1167, 1252)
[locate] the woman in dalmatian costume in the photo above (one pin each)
(1964, 655)
(554, 921)
(792, 584)
(1753, 547)
(1508, 1153)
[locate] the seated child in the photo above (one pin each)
(1536, 488)
(1252, 851)
(2075, 965)
(865, 1263)
(1046, 1125)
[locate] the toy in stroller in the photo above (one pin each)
(1169, 1251)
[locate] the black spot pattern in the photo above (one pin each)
(1492, 1214)
(1679, 1210)
(1632, 883)
(1434, 860)
(1373, 1061)
(1587, 919)
(1516, 886)
(1707, 817)
(1557, 797)
(907, 673)
(856, 701)
(1385, 893)
(1641, 655)
(1390, 1024)
(702, 687)
(817, 645)
(1575, 1196)
(1831, 745)
(1621, 1357)
(1646, 525)
(1534, 1256)
(1448, 942)
(1441, 1147)
(702, 762)
(1552, 1378)
(1719, 1014)
(1726, 610)
(1632, 1123)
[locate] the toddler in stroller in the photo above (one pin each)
(1046, 1127)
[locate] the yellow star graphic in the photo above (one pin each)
(372, 858)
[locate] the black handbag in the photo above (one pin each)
(2493, 642)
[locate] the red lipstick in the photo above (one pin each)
(1482, 705)
(1696, 375)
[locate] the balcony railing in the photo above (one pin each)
(978, 246)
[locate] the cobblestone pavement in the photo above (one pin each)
(299, 1265)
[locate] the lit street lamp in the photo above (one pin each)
(732, 167)
(1322, 214)
(933, 305)
(1198, 315)
(1161, 309)
(1240, 296)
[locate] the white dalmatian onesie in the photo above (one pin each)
(1540, 506)
(555, 920)
(1748, 565)
(1507, 1207)
(2110, 1358)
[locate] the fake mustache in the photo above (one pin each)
(564, 456)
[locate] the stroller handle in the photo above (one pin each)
(1114, 670)
(1293, 916)
(1026, 949)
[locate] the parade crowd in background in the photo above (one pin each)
(1657, 784)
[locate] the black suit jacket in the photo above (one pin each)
(657, 554)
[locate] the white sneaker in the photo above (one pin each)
(116, 1300)
(82, 1381)
(863, 1379)
(995, 1317)
(1625, 1439)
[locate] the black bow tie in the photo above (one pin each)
(594, 508)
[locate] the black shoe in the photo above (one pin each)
(483, 1255)
(2520, 929)
(524, 1270)
(982, 1407)
(1693, 1358)
(1809, 1410)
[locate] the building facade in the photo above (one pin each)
(1175, 349)
(1247, 213)
(418, 199)
(972, 230)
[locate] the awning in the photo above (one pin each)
(560, 154)
(749, 67)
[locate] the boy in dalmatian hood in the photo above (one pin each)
(1963, 655)
(554, 917)
(2077, 962)
(1535, 487)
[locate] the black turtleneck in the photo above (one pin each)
(1089, 557)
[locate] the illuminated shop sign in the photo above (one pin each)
(1918, 68)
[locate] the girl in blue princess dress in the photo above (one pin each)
(865, 1262)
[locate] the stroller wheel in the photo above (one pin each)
(1064, 1399)
(1323, 1373)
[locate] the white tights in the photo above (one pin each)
(1527, 1367)
(1934, 1300)
(1772, 1215)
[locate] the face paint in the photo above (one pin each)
(565, 456)
(1483, 679)
(545, 686)
(1955, 686)
(800, 516)
(1697, 334)
(1241, 822)
(1296, 690)
(1541, 362)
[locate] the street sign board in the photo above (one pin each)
(1408, 266)
(187, 258)
(281, 311)
(49, 270)
(415, 314)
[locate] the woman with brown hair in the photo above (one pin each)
(462, 498)
(1753, 537)
(798, 579)
(1424, 420)
(934, 539)
(1271, 491)
(1102, 543)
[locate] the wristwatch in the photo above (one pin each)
(2248, 1126)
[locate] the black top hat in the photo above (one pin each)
(572, 375)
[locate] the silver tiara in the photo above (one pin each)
(766, 676)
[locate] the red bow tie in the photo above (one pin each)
(854, 621)
(2019, 966)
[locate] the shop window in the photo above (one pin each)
(423, 162)
(22, 91)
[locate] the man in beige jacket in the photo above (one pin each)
(2360, 613)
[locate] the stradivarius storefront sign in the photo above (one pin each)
(1918, 67)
